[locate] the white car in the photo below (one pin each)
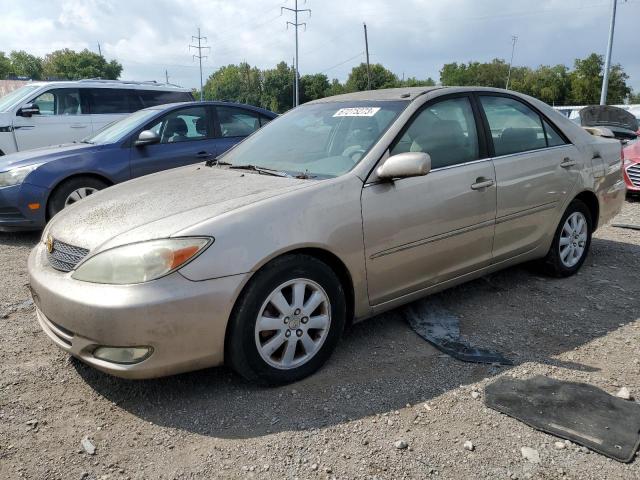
(41, 114)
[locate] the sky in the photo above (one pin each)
(410, 37)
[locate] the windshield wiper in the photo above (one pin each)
(87, 141)
(261, 170)
(215, 161)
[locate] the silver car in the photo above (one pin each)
(341, 209)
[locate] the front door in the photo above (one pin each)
(62, 119)
(185, 138)
(536, 168)
(421, 231)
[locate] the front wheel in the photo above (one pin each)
(72, 191)
(571, 241)
(287, 322)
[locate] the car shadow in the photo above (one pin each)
(18, 239)
(381, 365)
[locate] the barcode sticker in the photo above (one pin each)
(357, 112)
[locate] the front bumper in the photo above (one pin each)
(15, 214)
(183, 321)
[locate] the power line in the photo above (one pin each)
(199, 56)
(295, 24)
(341, 63)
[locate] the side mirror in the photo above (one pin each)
(600, 132)
(404, 165)
(28, 110)
(147, 137)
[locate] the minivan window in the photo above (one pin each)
(59, 101)
(446, 131)
(514, 126)
(152, 98)
(11, 98)
(108, 101)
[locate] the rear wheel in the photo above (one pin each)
(571, 241)
(72, 191)
(287, 322)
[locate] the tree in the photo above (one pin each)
(380, 78)
(313, 87)
(235, 83)
(5, 65)
(336, 88)
(414, 82)
(492, 74)
(277, 88)
(24, 64)
(550, 84)
(70, 65)
(586, 81)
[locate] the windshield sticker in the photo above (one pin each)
(357, 112)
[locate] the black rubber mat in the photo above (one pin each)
(578, 412)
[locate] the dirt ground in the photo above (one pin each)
(384, 384)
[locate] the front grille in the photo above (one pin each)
(65, 257)
(633, 172)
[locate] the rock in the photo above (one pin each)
(530, 454)
(33, 423)
(314, 466)
(560, 445)
(89, 447)
(469, 446)
(624, 394)
(475, 395)
(401, 444)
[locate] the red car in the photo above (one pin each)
(632, 167)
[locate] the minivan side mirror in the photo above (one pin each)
(404, 165)
(147, 137)
(28, 110)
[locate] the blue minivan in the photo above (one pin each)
(37, 184)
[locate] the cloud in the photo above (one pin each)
(412, 37)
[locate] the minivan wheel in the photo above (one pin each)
(72, 191)
(571, 241)
(287, 322)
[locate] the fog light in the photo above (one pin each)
(125, 355)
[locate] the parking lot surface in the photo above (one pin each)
(384, 389)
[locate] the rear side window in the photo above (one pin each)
(553, 137)
(264, 120)
(446, 131)
(514, 126)
(59, 101)
(109, 101)
(237, 122)
(152, 98)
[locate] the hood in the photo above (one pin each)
(162, 204)
(632, 152)
(615, 118)
(42, 155)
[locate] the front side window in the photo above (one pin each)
(237, 122)
(184, 125)
(514, 126)
(118, 130)
(59, 101)
(446, 131)
(320, 140)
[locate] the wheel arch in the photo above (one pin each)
(591, 201)
(60, 182)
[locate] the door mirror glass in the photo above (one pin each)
(28, 110)
(403, 165)
(147, 137)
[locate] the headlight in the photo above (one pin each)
(140, 262)
(16, 175)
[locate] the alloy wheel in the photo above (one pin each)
(573, 239)
(78, 195)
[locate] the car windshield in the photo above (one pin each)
(116, 131)
(320, 140)
(11, 98)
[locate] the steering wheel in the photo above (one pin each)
(354, 152)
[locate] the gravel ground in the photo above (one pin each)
(384, 388)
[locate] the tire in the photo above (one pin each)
(247, 348)
(58, 199)
(559, 263)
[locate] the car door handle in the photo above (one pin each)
(204, 154)
(482, 183)
(567, 162)
(75, 125)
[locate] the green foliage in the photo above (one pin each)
(70, 65)
(5, 65)
(313, 87)
(414, 82)
(380, 78)
(24, 64)
(277, 88)
(492, 74)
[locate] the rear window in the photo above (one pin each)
(120, 100)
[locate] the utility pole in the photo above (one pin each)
(293, 67)
(199, 56)
(99, 50)
(514, 40)
(295, 24)
(366, 46)
(166, 77)
(607, 62)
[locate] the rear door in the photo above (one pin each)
(234, 124)
(536, 168)
(110, 104)
(186, 137)
(62, 119)
(422, 231)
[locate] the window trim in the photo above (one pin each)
(541, 116)
(483, 151)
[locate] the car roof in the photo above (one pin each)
(126, 84)
(168, 106)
